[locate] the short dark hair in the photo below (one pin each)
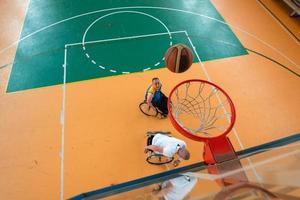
(185, 154)
(155, 78)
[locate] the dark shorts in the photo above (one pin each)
(162, 104)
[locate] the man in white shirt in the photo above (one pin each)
(168, 146)
(176, 188)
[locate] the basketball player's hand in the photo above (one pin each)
(176, 163)
(146, 150)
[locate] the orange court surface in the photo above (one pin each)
(66, 127)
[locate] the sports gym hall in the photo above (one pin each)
(73, 75)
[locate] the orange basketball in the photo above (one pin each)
(179, 58)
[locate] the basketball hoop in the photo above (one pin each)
(202, 111)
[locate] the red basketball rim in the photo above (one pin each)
(193, 136)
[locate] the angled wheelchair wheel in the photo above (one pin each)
(148, 110)
(158, 159)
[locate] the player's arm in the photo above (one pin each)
(149, 98)
(153, 148)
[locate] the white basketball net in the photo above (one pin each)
(201, 108)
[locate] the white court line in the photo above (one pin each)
(152, 7)
(125, 38)
(62, 120)
(224, 109)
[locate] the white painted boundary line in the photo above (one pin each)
(225, 111)
(124, 38)
(81, 44)
(62, 122)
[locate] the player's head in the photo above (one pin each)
(156, 83)
(184, 153)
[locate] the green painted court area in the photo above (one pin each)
(107, 38)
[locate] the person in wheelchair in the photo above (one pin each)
(163, 143)
(154, 97)
(175, 189)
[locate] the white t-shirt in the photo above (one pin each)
(181, 186)
(169, 144)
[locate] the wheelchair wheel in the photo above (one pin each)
(158, 159)
(160, 132)
(149, 111)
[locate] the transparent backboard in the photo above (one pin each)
(266, 173)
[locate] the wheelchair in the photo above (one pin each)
(151, 111)
(157, 158)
